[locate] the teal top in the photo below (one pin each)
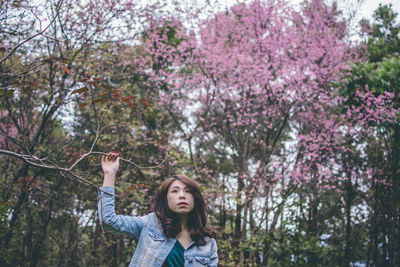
(175, 257)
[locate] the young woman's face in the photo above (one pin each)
(180, 199)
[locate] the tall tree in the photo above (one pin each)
(47, 58)
(259, 83)
(379, 74)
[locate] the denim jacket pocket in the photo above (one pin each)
(156, 236)
(203, 260)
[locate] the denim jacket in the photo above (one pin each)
(153, 246)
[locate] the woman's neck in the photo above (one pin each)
(183, 219)
(184, 235)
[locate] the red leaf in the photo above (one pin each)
(66, 70)
(80, 90)
(83, 80)
(144, 102)
(82, 105)
(101, 100)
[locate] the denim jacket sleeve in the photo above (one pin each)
(214, 254)
(130, 225)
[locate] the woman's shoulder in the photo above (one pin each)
(151, 220)
(211, 241)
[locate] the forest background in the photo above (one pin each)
(287, 117)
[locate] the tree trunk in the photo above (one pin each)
(36, 251)
(22, 198)
(239, 208)
(347, 246)
(394, 226)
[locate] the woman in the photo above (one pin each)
(174, 234)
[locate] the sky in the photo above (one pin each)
(369, 6)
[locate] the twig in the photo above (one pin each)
(98, 132)
(9, 188)
(33, 36)
(33, 160)
(13, 139)
(134, 164)
(25, 72)
(28, 160)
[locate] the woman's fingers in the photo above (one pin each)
(111, 156)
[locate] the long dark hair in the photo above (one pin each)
(197, 218)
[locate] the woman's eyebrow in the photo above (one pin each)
(176, 186)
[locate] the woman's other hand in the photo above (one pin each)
(110, 165)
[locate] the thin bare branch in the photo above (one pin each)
(30, 160)
(134, 164)
(33, 36)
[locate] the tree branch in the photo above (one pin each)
(33, 36)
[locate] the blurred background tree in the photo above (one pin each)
(290, 129)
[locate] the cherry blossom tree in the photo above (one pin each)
(248, 101)
(259, 82)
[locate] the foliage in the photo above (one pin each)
(290, 131)
(379, 75)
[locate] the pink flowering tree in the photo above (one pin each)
(252, 92)
(246, 101)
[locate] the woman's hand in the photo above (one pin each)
(110, 165)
